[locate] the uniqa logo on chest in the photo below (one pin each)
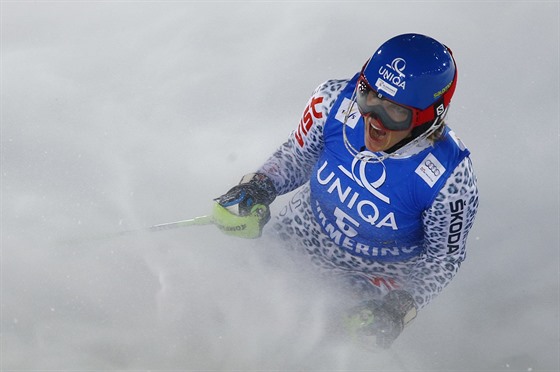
(357, 206)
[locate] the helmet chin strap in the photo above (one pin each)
(380, 156)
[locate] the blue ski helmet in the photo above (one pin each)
(416, 71)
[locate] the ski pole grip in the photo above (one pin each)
(248, 227)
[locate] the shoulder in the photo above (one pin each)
(439, 168)
(447, 152)
(462, 181)
(332, 87)
(460, 191)
(330, 90)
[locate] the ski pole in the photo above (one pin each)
(201, 220)
(249, 226)
(196, 221)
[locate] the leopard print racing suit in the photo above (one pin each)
(423, 276)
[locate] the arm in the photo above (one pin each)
(288, 168)
(446, 226)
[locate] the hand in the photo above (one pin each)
(243, 210)
(253, 189)
(382, 321)
(248, 226)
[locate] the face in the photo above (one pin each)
(386, 123)
(379, 139)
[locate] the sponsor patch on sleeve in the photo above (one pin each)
(430, 170)
(343, 113)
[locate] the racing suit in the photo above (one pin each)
(400, 223)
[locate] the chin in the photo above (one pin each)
(374, 147)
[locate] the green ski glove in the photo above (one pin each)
(243, 210)
(248, 226)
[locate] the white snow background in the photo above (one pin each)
(120, 115)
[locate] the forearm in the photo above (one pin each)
(288, 168)
(429, 277)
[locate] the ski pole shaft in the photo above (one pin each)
(200, 221)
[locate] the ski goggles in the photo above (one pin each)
(392, 116)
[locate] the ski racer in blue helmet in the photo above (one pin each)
(384, 192)
(404, 89)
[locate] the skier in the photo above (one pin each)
(386, 193)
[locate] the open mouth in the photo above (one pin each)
(376, 133)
